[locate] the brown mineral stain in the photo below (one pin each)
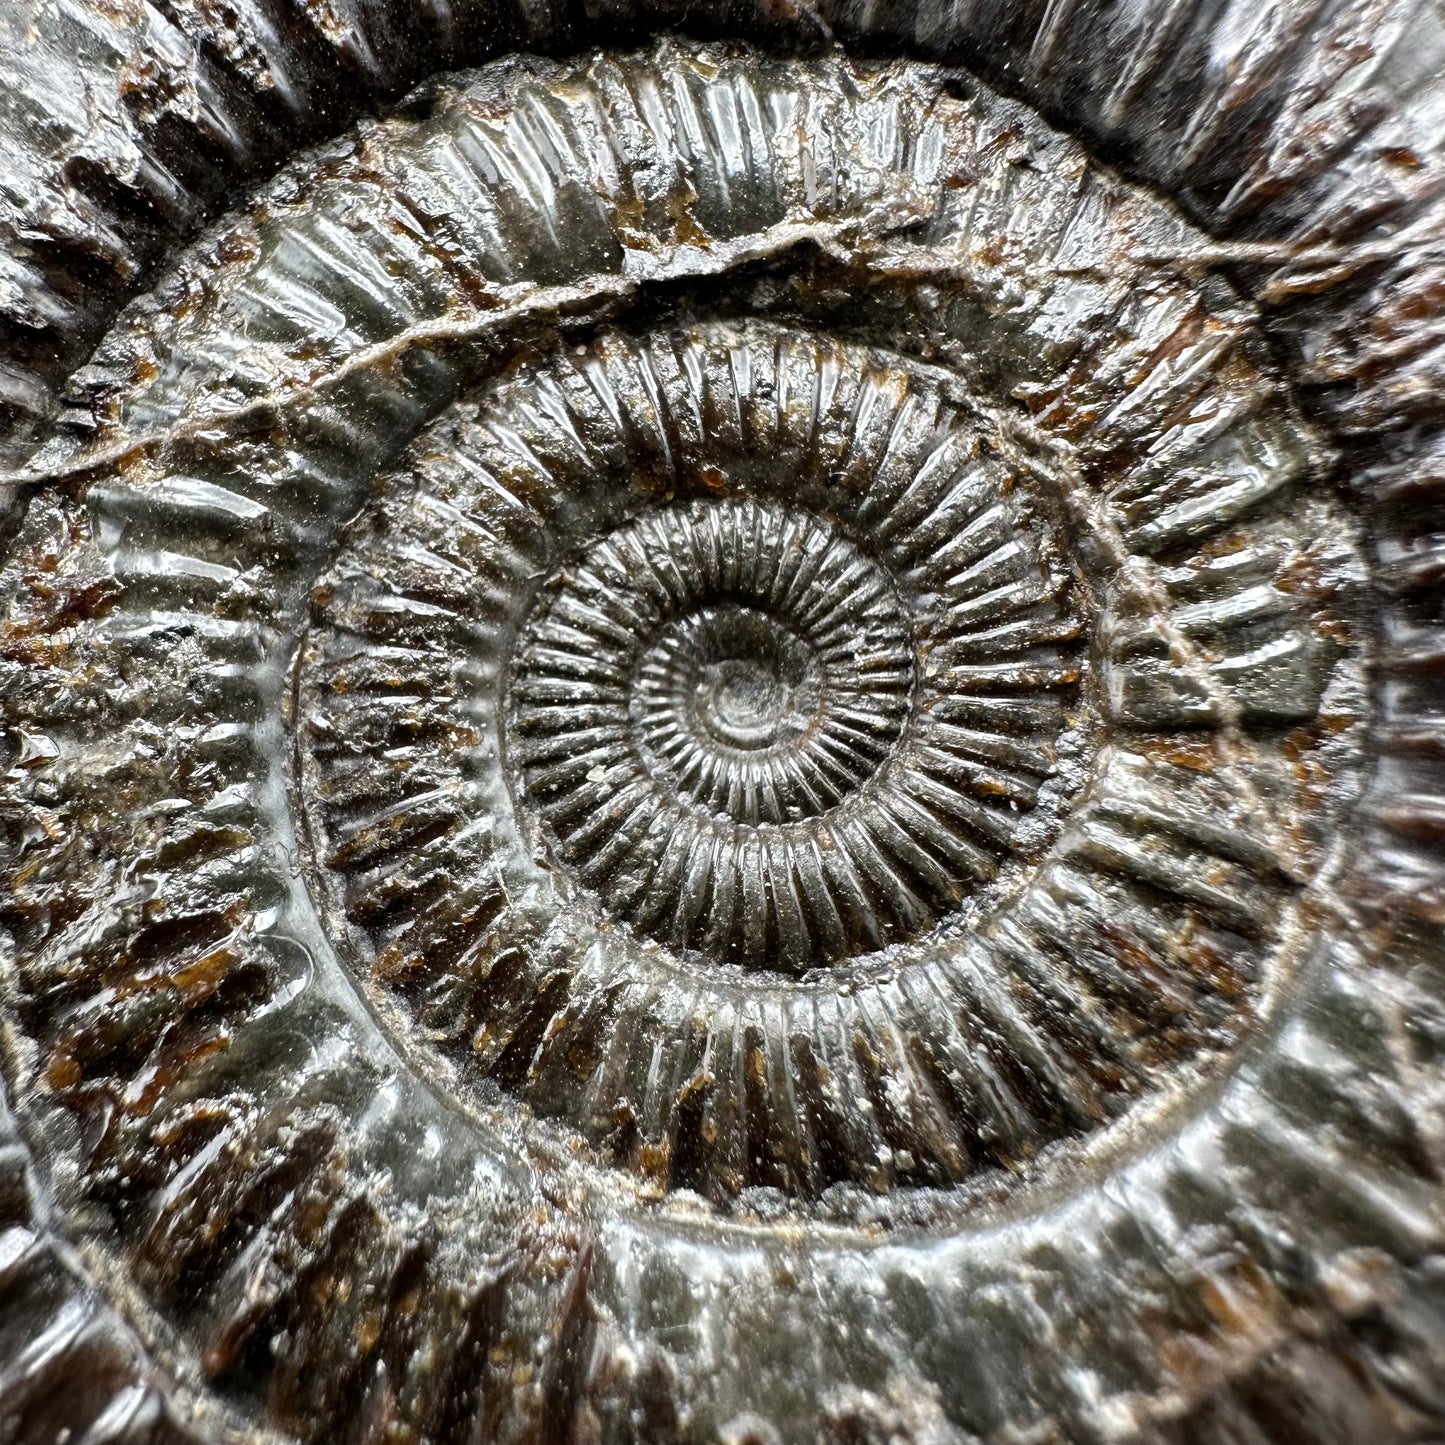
(237, 247)
(176, 1064)
(1198, 755)
(201, 977)
(685, 229)
(1242, 1314)
(655, 1160)
(64, 1072)
(367, 1331)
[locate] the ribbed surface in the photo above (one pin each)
(970, 1053)
(184, 1007)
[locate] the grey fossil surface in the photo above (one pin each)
(723, 723)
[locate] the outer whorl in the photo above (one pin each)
(715, 741)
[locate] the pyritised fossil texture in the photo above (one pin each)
(728, 730)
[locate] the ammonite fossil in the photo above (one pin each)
(723, 725)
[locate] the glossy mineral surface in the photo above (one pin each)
(718, 745)
(689, 741)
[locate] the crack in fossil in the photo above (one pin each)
(540, 302)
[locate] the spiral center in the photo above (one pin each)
(738, 659)
(733, 679)
(757, 685)
(744, 702)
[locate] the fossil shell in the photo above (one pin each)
(713, 741)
